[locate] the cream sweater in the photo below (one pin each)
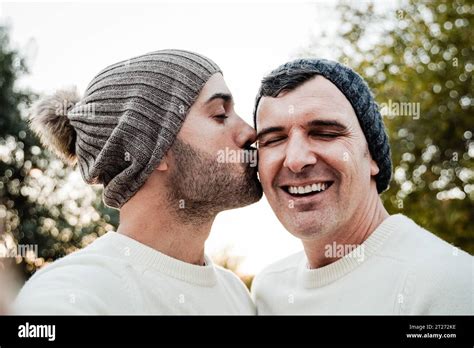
(118, 275)
(403, 269)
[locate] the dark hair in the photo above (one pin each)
(285, 78)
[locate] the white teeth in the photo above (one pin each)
(308, 188)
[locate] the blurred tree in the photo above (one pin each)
(227, 259)
(38, 212)
(419, 54)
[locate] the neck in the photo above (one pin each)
(163, 231)
(353, 233)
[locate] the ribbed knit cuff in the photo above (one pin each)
(147, 258)
(313, 278)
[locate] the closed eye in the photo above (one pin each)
(220, 118)
(271, 141)
(324, 135)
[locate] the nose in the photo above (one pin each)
(246, 135)
(298, 154)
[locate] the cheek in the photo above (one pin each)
(212, 140)
(347, 160)
(269, 165)
(194, 133)
(335, 153)
(224, 135)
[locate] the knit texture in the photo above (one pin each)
(130, 115)
(356, 90)
(119, 275)
(400, 268)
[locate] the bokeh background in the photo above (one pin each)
(417, 52)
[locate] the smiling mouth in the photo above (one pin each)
(307, 190)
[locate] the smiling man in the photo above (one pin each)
(149, 130)
(324, 158)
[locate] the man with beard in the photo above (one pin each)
(148, 129)
(324, 158)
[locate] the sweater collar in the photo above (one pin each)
(147, 258)
(314, 278)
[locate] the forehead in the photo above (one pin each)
(215, 84)
(317, 97)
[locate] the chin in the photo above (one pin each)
(240, 196)
(306, 227)
(253, 195)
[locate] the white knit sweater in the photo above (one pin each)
(118, 275)
(404, 270)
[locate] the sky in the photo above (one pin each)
(66, 44)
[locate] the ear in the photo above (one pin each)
(163, 166)
(374, 168)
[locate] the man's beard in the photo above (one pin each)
(200, 186)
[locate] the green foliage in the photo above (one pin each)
(423, 57)
(37, 208)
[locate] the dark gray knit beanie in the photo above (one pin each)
(356, 90)
(127, 120)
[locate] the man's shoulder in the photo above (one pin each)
(85, 264)
(237, 288)
(441, 263)
(231, 278)
(287, 265)
(420, 247)
(85, 276)
(438, 272)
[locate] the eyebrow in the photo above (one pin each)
(268, 130)
(226, 97)
(327, 123)
(314, 123)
